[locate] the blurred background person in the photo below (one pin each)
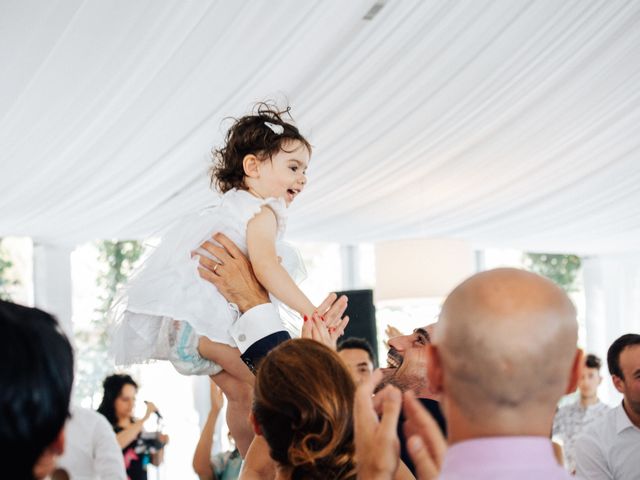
(138, 449)
(223, 465)
(357, 354)
(91, 450)
(570, 420)
(608, 448)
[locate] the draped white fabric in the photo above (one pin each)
(506, 123)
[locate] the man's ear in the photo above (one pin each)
(250, 165)
(618, 383)
(434, 369)
(58, 443)
(254, 424)
(46, 463)
(576, 370)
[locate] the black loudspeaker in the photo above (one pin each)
(362, 317)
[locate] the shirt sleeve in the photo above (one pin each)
(256, 323)
(591, 463)
(108, 461)
(558, 427)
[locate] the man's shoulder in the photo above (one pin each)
(86, 418)
(601, 428)
(608, 417)
(601, 408)
(565, 414)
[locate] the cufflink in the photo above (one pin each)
(242, 337)
(249, 363)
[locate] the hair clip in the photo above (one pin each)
(275, 128)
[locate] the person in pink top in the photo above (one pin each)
(502, 354)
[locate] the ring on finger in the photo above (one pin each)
(216, 267)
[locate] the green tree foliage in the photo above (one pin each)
(117, 260)
(562, 269)
(6, 282)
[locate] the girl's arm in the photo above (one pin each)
(261, 243)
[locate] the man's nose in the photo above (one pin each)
(396, 343)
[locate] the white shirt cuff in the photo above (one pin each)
(256, 323)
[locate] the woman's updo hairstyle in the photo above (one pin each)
(251, 135)
(303, 403)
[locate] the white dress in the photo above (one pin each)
(167, 287)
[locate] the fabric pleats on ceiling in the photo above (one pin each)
(505, 123)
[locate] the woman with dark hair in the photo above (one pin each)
(117, 406)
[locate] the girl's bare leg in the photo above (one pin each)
(227, 357)
(239, 397)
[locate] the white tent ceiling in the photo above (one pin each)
(507, 123)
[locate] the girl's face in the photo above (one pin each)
(125, 402)
(285, 175)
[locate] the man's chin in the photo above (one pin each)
(401, 379)
(387, 378)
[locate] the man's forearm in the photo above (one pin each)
(201, 456)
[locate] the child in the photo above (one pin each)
(170, 311)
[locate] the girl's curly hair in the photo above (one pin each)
(303, 402)
(250, 135)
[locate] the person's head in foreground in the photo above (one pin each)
(590, 379)
(503, 353)
(303, 404)
(357, 354)
(623, 359)
(35, 390)
(119, 398)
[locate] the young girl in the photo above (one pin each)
(170, 311)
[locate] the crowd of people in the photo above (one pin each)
(493, 368)
(473, 396)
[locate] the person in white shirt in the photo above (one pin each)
(610, 447)
(572, 419)
(91, 450)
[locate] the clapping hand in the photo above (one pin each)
(327, 324)
(376, 438)
(391, 332)
(425, 441)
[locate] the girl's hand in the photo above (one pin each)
(332, 309)
(332, 324)
(318, 329)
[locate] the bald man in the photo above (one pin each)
(502, 354)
